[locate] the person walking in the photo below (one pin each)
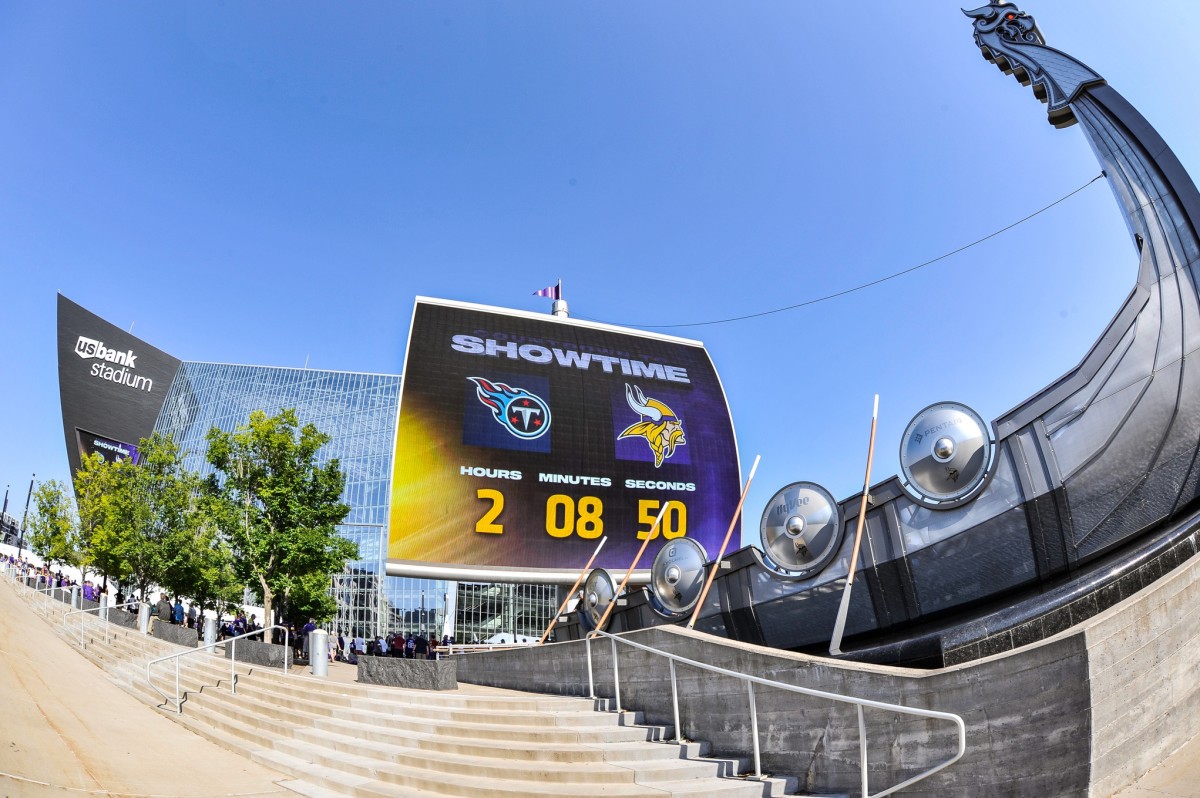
(163, 609)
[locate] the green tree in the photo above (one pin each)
(94, 484)
(54, 528)
(150, 514)
(198, 562)
(281, 510)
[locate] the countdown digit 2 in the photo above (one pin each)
(487, 524)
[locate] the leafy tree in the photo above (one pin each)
(281, 510)
(54, 529)
(150, 516)
(94, 483)
(198, 562)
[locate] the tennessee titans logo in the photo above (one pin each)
(525, 415)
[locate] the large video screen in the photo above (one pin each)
(523, 439)
(111, 450)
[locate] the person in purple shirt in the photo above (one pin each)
(308, 627)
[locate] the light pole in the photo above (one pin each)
(21, 537)
(4, 512)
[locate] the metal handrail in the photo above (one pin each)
(178, 699)
(107, 623)
(19, 576)
(45, 591)
(750, 681)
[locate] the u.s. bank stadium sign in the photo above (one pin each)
(114, 365)
(524, 438)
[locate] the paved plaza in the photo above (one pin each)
(68, 731)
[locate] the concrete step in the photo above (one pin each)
(369, 741)
(331, 749)
(379, 779)
(494, 765)
(449, 737)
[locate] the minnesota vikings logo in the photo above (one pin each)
(663, 431)
(522, 413)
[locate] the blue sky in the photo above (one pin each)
(274, 182)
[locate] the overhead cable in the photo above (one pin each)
(846, 291)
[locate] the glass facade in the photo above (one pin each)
(359, 412)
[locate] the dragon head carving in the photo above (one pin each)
(1009, 38)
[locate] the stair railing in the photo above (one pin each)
(48, 597)
(107, 622)
(750, 681)
(21, 578)
(231, 642)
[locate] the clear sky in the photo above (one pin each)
(272, 183)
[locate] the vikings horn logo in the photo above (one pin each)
(523, 414)
(663, 431)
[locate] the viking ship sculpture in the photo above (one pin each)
(995, 536)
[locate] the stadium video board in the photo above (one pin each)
(524, 438)
(109, 450)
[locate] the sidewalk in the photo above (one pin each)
(66, 730)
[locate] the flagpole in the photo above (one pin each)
(25, 518)
(560, 305)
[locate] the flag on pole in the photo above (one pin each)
(551, 291)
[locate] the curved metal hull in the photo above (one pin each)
(1094, 476)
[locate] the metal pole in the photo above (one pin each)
(4, 513)
(616, 675)
(675, 702)
(210, 630)
(21, 537)
(754, 731)
(318, 652)
(587, 641)
(862, 750)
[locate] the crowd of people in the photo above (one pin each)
(44, 578)
(402, 645)
(345, 648)
(163, 611)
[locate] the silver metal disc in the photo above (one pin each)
(677, 576)
(599, 590)
(800, 528)
(945, 454)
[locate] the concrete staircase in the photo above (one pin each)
(338, 738)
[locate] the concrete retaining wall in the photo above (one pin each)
(256, 652)
(1083, 713)
(421, 674)
(123, 618)
(1144, 679)
(179, 635)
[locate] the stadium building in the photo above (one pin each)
(521, 440)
